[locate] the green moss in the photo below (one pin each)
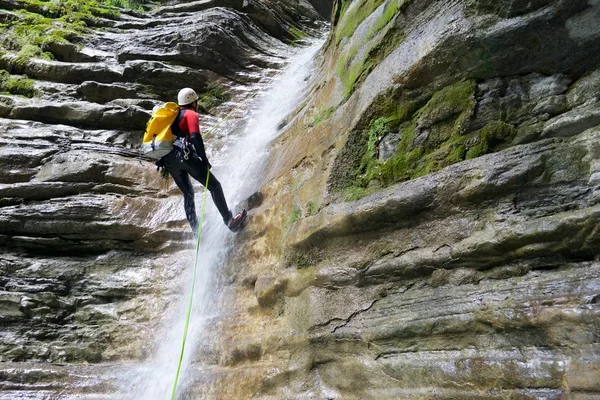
(410, 161)
(378, 129)
(311, 208)
(349, 72)
(296, 34)
(476, 151)
(494, 136)
(398, 167)
(214, 97)
(295, 215)
(369, 166)
(126, 4)
(401, 113)
(21, 86)
(451, 152)
(448, 102)
(352, 70)
(432, 137)
(354, 193)
(16, 85)
(323, 115)
(350, 20)
(30, 51)
(344, 6)
(402, 166)
(497, 133)
(42, 23)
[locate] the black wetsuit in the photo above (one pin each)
(196, 165)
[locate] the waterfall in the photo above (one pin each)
(238, 166)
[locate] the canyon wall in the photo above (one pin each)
(94, 244)
(429, 227)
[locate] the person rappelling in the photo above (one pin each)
(173, 138)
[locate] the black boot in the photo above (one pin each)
(236, 223)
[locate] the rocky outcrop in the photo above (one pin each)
(429, 223)
(73, 285)
(93, 242)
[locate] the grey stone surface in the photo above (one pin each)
(573, 122)
(478, 281)
(387, 145)
(93, 243)
(103, 93)
(585, 90)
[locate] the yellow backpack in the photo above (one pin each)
(158, 137)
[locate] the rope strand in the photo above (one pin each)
(190, 303)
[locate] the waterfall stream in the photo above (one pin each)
(238, 166)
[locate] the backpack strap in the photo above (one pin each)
(175, 125)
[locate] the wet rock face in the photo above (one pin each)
(194, 45)
(93, 241)
(73, 272)
(429, 226)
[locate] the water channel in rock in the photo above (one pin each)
(238, 165)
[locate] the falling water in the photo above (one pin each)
(238, 167)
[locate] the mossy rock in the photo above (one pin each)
(40, 24)
(430, 141)
(446, 103)
(213, 97)
(17, 85)
(434, 134)
(369, 50)
(494, 136)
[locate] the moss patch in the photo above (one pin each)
(448, 102)
(354, 193)
(433, 135)
(41, 23)
(492, 137)
(353, 70)
(296, 34)
(295, 215)
(323, 115)
(312, 208)
(350, 20)
(213, 97)
(16, 85)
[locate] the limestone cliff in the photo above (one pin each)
(430, 219)
(91, 252)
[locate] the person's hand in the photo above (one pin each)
(208, 164)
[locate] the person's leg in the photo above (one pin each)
(173, 164)
(198, 170)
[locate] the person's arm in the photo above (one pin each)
(195, 138)
(199, 146)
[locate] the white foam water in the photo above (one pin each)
(239, 167)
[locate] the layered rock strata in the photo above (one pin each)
(429, 227)
(93, 242)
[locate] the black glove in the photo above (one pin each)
(207, 164)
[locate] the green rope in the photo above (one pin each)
(189, 309)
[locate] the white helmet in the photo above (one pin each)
(186, 96)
